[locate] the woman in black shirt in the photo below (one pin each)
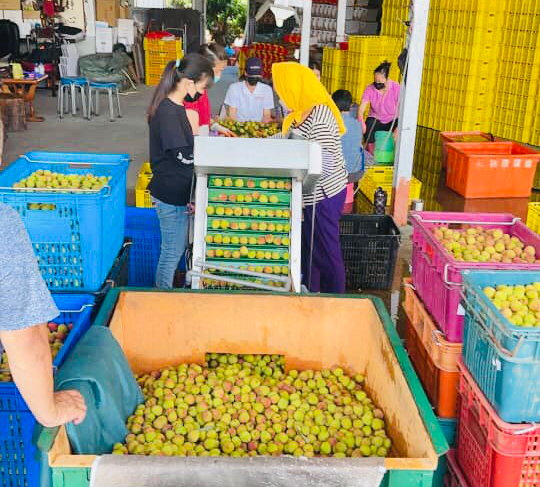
(171, 156)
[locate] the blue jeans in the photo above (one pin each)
(173, 223)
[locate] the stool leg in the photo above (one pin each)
(89, 103)
(73, 101)
(97, 94)
(65, 106)
(60, 103)
(111, 104)
(83, 101)
(118, 104)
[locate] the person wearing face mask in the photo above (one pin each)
(199, 112)
(251, 99)
(383, 98)
(171, 156)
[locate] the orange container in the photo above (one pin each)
(491, 169)
(434, 358)
(449, 137)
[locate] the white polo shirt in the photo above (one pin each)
(249, 105)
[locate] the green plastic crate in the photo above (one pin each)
(80, 477)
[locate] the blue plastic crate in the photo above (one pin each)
(504, 359)
(77, 241)
(19, 458)
(142, 228)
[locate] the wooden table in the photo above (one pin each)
(25, 88)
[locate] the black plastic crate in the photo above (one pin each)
(369, 244)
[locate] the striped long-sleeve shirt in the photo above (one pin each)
(321, 127)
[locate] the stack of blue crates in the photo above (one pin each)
(78, 239)
(19, 457)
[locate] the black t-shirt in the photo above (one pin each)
(171, 154)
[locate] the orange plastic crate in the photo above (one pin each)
(491, 169)
(434, 358)
(450, 137)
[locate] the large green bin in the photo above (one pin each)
(355, 332)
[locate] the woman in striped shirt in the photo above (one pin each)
(314, 116)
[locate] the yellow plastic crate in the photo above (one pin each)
(142, 195)
(159, 45)
(533, 217)
(368, 187)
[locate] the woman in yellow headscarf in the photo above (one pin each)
(315, 117)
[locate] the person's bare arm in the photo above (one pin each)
(362, 110)
(267, 116)
(30, 364)
(232, 113)
(193, 118)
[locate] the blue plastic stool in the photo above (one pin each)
(68, 87)
(95, 90)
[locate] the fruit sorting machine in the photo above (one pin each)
(248, 212)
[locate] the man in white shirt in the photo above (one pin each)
(250, 100)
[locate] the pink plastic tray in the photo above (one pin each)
(437, 275)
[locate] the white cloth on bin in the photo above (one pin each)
(152, 471)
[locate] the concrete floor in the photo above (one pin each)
(128, 134)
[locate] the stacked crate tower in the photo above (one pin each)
(480, 371)
(481, 66)
(77, 236)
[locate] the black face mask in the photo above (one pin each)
(379, 86)
(192, 99)
(252, 80)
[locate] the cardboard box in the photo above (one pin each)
(10, 4)
(31, 14)
(109, 10)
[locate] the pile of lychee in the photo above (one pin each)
(520, 304)
(247, 212)
(45, 179)
(478, 244)
(246, 253)
(256, 226)
(245, 197)
(227, 182)
(225, 239)
(57, 335)
(248, 405)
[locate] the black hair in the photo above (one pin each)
(193, 66)
(119, 47)
(314, 65)
(213, 52)
(383, 68)
(343, 100)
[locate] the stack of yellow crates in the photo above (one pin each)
(382, 177)
(516, 109)
(334, 68)
(353, 69)
(462, 49)
(157, 53)
(395, 13)
(481, 67)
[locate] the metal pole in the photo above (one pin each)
(408, 112)
(306, 33)
(341, 17)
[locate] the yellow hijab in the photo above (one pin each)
(300, 90)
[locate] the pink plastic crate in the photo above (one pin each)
(437, 275)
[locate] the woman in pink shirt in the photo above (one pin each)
(383, 98)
